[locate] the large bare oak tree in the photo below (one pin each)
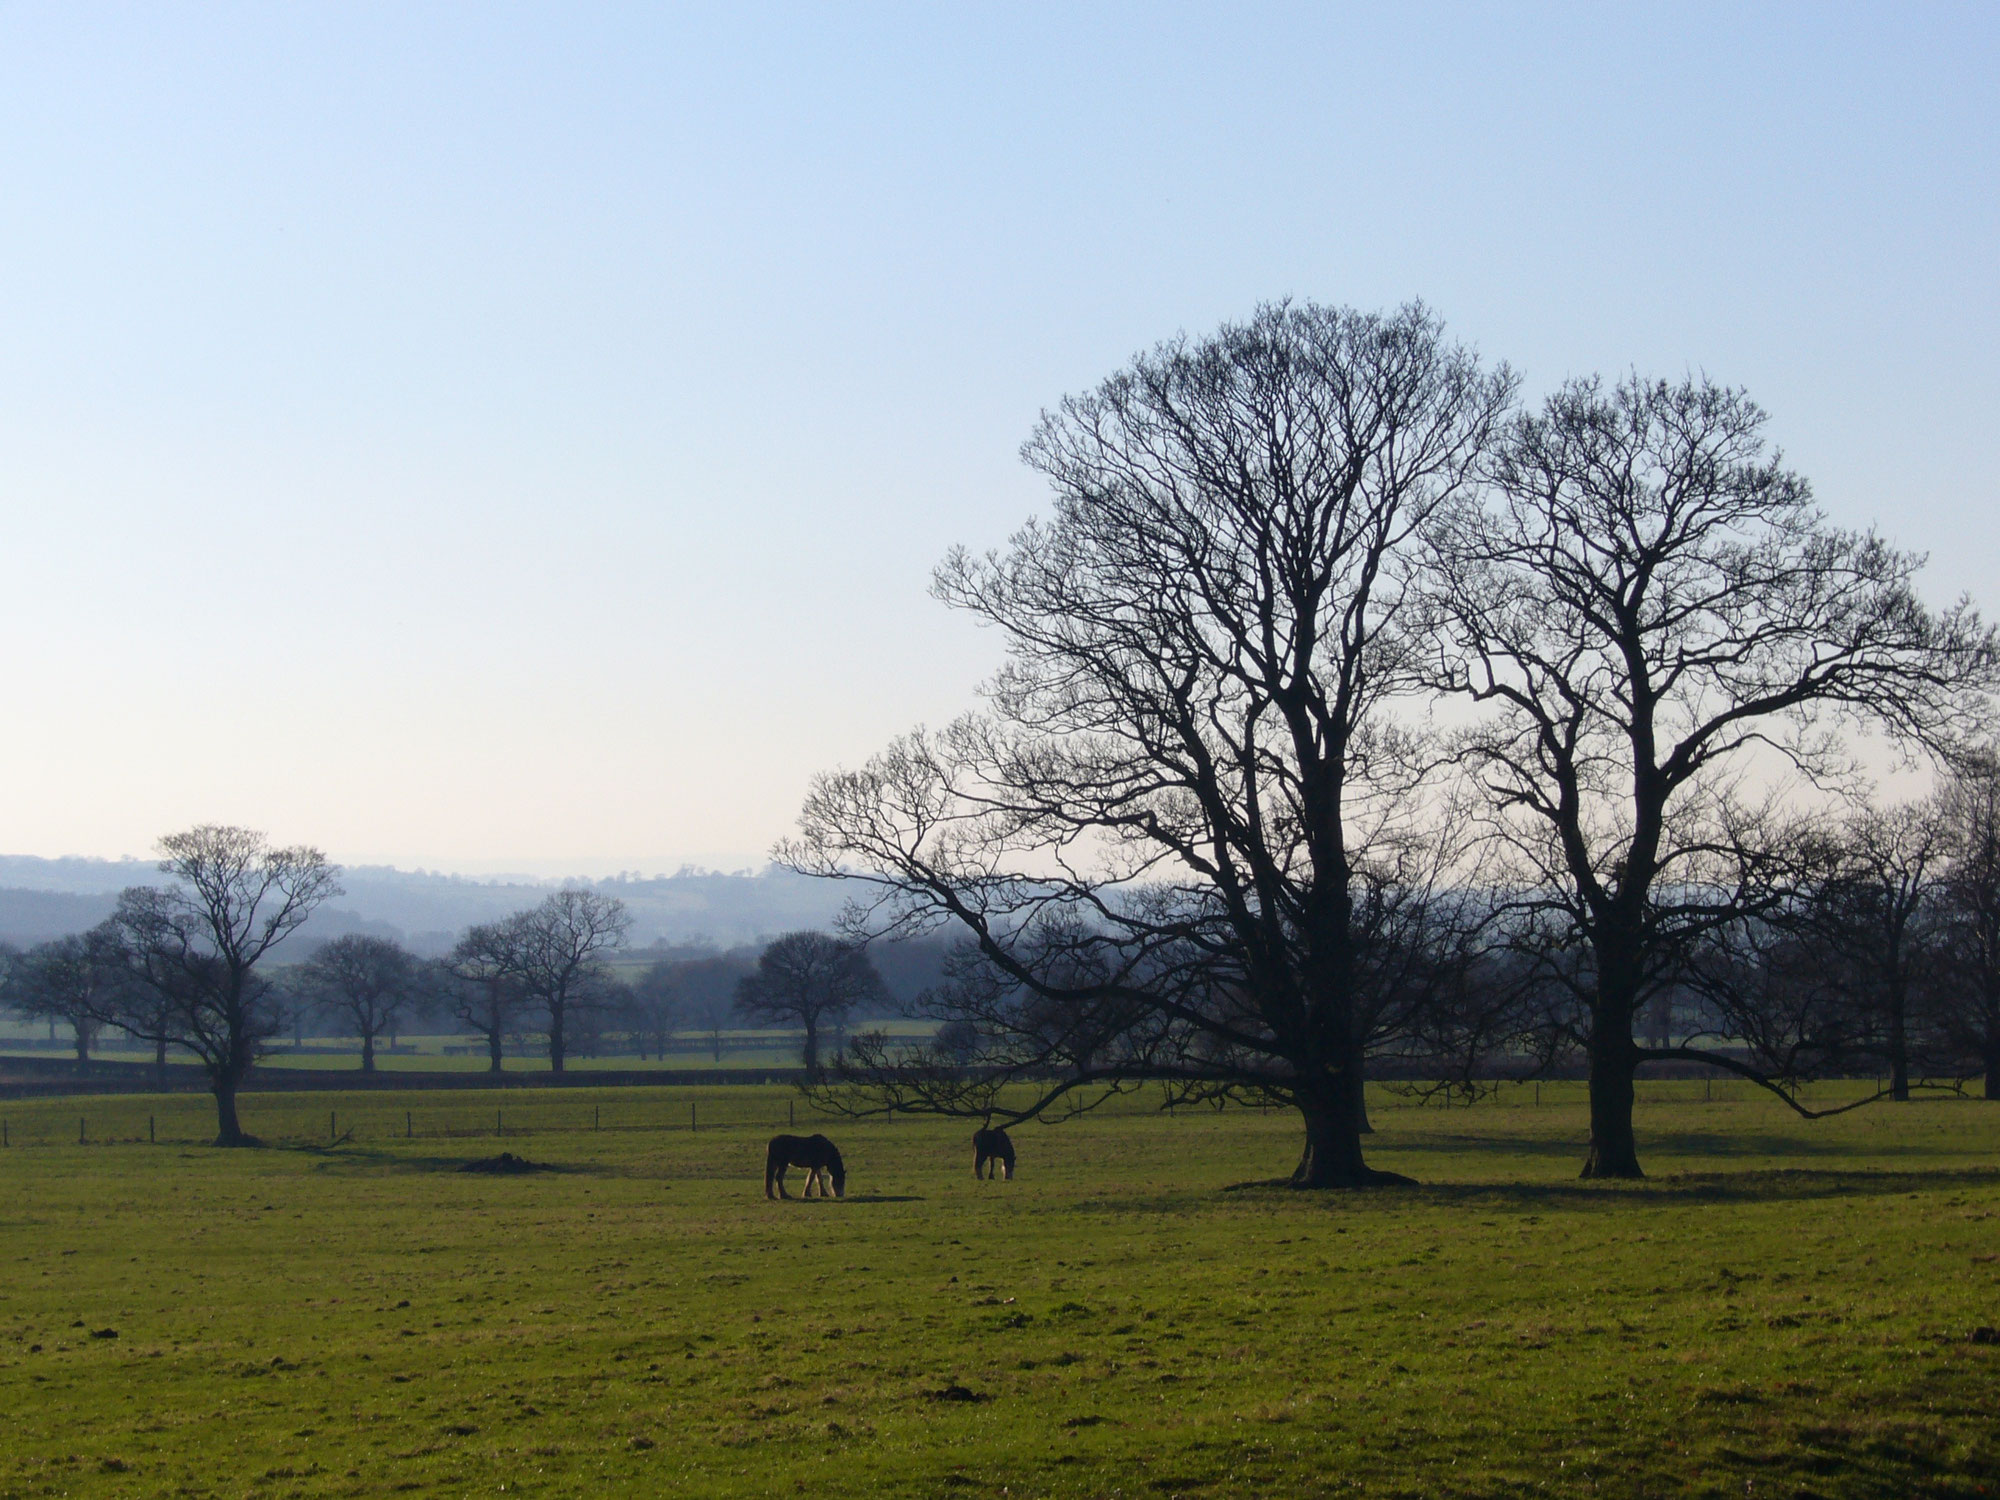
(1180, 836)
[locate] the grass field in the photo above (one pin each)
(1783, 1309)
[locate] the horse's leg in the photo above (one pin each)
(783, 1167)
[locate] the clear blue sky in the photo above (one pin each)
(519, 436)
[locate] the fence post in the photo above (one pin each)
(791, 1113)
(409, 1126)
(496, 1123)
(151, 1137)
(691, 1123)
(329, 1125)
(79, 1130)
(1538, 1093)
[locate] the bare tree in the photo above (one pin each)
(1651, 611)
(368, 983)
(1875, 925)
(480, 991)
(68, 980)
(653, 1009)
(1154, 836)
(192, 949)
(811, 980)
(556, 953)
(1969, 1009)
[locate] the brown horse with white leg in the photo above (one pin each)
(818, 1155)
(992, 1153)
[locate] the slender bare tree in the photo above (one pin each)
(1651, 611)
(480, 990)
(1970, 996)
(556, 952)
(1156, 837)
(192, 949)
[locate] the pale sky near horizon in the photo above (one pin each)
(518, 437)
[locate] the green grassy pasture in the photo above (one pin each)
(1784, 1309)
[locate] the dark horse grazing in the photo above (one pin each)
(992, 1153)
(815, 1153)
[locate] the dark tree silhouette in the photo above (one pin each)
(1651, 609)
(368, 983)
(1969, 1008)
(556, 952)
(1875, 925)
(191, 950)
(1161, 838)
(480, 991)
(67, 980)
(811, 980)
(653, 1009)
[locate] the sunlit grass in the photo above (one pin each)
(1790, 1307)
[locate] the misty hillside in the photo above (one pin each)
(44, 898)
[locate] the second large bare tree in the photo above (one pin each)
(1665, 633)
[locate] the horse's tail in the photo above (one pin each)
(773, 1159)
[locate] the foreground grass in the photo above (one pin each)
(1783, 1309)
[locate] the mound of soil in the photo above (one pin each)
(506, 1164)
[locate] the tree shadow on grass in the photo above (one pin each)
(1784, 1184)
(1769, 1144)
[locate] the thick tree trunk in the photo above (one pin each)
(367, 1053)
(495, 1044)
(82, 1050)
(557, 1051)
(1614, 1150)
(1993, 1064)
(1332, 1156)
(1355, 1087)
(160, 1063)
(228, 1131)
(812, 1047)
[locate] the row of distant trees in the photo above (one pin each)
(187, 965)
(1355, 714)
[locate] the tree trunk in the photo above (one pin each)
(494, 1044)
(228, 1131)
(1356, 1088)
(1332, 1156)
(812, 1046)
(557, 1052)
(1899, 1052)
(160, 1063)
(82, 1049)
(1614, 1150)
(367, 1052)
(1993, 1064)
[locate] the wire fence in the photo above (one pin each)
(380, 1117)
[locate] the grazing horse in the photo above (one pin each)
(992, 1154)
(816, 1154)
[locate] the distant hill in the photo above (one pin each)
(44, 898)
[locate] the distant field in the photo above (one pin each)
(458, 1054)
(1784, 1309)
